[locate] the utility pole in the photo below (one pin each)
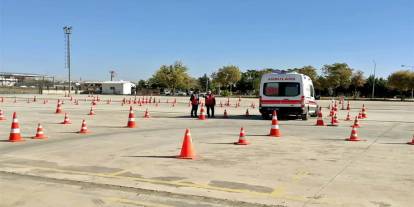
(373, 82)
(68, 31)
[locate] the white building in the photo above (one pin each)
(110, 87)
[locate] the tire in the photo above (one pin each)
(304, 117)
(265, 116)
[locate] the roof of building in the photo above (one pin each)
(21, 74)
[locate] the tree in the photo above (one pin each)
(337, 75)
(227, 76)
(311, 72)
(401, 80)
(204, 82)
(357, 81)
(172, 76)
(142, 84)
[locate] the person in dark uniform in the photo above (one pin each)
(210, 103)
(195, 100)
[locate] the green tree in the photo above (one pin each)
(337, 75)
(204, 82)
(142, 84)
(227, 76)
(357, 81)
(402, 81)
(172, 76)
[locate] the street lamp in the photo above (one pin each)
(373, 82)
(412, 68)
(68, 31)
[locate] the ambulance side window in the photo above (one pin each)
(312, 91)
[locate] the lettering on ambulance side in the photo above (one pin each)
(280, 78)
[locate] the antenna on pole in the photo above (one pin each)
(113, 73)
(68, 31)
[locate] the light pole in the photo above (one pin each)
(412, 68)
(68, 31)
(373, 82)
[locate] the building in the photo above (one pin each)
(19, 79)
(109, 87)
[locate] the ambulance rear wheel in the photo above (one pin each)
(305, 117)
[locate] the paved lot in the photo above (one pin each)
(118, 166)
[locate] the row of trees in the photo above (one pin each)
(334, 79)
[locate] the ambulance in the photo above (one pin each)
(287, 93)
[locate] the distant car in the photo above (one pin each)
(181, 93)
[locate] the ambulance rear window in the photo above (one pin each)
(281, 89)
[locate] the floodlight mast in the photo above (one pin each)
(68, 31)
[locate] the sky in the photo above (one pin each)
(136, 37)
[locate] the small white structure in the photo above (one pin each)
(117, 87)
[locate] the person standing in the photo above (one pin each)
(195, 100)
(210, 103)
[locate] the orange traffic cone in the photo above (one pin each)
(39, 133)
(319, 121)
(66, 120)
(131, 118)
(225, 115)
(363, 112)
(2, 115)
(348, 117)
(333, 122)
(58, 108)
(354, 135)
(187, 151)
(412, 141)
(15, 130)
(360, 115)
(356, 122)
(274, 130)
(247, 112)
(202, 115)
(84, 128)
(91, 112)
(335, 118)
(146, 114)
(242, 139)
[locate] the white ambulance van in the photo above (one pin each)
(288, 94)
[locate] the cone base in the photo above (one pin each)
(410, 143)
(16, 140)
(353, 140)
(43, 137)
(356, 126)
(84, 132)
(130, 126)
(186, 157)
(242, 143)
(65, 122)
